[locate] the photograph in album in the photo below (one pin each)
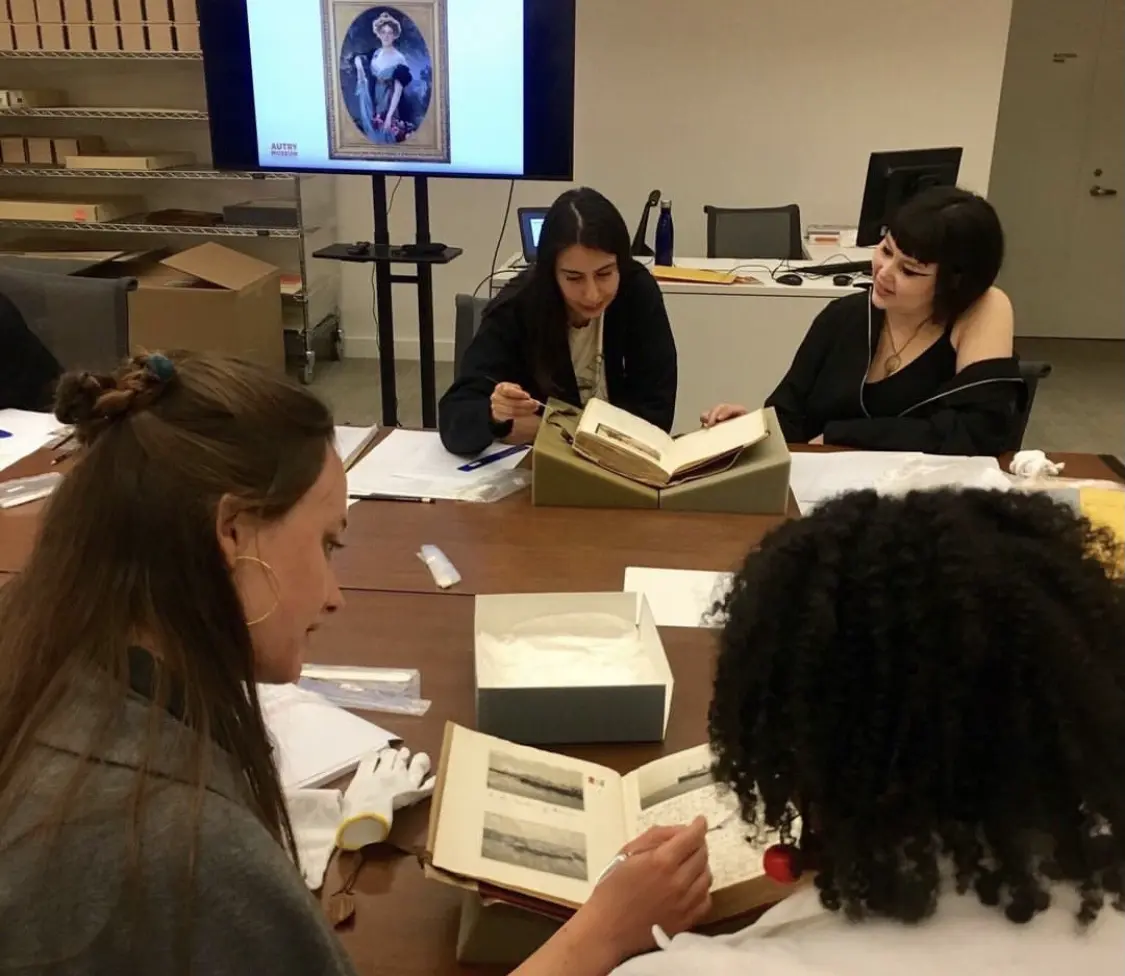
(537, 847)
(535, 781)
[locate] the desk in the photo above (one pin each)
(406, 925)
(735, 342)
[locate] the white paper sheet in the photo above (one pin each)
(349, 440)
(23, 432)
(316, 741)
(413, 463)
(679, 597)
(816, 477)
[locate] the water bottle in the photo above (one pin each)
(665, 234)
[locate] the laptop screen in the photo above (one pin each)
(531, 226)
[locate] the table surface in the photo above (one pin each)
(394, 617)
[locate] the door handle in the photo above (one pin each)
(1102, 191)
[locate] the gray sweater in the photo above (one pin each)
(68, 910)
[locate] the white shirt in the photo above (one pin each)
(962, 938)
(587, 359)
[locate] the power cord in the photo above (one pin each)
(503, 227)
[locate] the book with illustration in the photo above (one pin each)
(542, 827)
(634, 448)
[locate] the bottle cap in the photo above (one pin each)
(666, 203)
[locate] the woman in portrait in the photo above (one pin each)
(388, 115)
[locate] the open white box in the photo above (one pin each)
(550, 696)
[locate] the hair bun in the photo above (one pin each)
(92, 401)
(77, 394)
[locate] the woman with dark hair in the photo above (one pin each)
(926, 696)
(185, 558)
(584, 320)
(922, 362)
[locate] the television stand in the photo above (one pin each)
(423, 254)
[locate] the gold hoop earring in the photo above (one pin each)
(274, 585)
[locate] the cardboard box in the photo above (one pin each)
(52, 37)
(187, 37)
(27, 37)
(5, 13)
(158, 10)
(31, 97)
(76, 11)
(107, 37)
(69, 146)
(79, 210)
(22, 11)
(262, 213)
(49, 11)
(80, 37)
(103, 11)
(7, 37)
(131, 11)
(39, 151)
(615, 708)
(185, 12)
(209, 299)
(13, 149)
(160, 37)
(134, 162)
(133, 37)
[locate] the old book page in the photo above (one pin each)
(708, 443)
(679, 788)
(526, 819)
(607, 423)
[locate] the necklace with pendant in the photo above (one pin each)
(893, 363)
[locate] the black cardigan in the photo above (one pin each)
(27, 370)
(637, 346)
(974, 412)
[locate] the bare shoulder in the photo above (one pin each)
(986, 330)
(991, 312)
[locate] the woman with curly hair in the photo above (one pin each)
(926, 695)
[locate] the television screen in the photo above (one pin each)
(481, 88)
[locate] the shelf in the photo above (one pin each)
(138, 174)
(123, 227)
(105, 55)
(74, 112)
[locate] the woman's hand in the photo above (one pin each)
(510, 401)
(664, 881)
(724, 411)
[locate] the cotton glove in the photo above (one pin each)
(315, 815)
(387, 780)
(1034, 464)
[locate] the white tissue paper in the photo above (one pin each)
(930, 472)
(315, 815)
(1034, 464)
(571, 649)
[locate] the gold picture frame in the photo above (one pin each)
(387, 80)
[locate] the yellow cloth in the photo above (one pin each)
(1106, 507)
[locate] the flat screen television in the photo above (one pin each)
(473, 88)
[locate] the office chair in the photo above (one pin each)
(465, 325)
(83, 322)
(1031, 372)
(760, 232)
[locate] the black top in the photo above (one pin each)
(637, 347)
(926, 406)
(27, 370)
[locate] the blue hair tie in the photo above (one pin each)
(161, 367)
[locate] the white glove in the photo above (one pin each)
(1034, 464)
(386, 781)
(315, 815)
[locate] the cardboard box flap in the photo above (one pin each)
(218, 265)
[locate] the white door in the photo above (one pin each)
(1061, 116)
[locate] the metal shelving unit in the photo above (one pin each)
(187, 173)
(311, 318)
(75, 112)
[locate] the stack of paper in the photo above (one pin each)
(680, 597)
(413, 464)
(23, 432)
(315, 742)
(351, 441)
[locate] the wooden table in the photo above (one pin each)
(406, 925)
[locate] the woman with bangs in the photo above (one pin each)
(921, 362)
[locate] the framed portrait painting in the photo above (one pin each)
(387, 80)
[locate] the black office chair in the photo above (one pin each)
(1031, 372)
(465, 325)
(760, 232)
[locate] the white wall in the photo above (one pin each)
(731, 102)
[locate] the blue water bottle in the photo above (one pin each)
(665, 234)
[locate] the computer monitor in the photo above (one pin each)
(894, 177)
(472, 88)
(531, 225)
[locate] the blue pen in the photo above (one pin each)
(499, 455)
(5, 433)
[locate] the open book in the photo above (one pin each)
(633, 447)
(544, 826)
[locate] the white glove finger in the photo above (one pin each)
(427, 788)
(402, 759)
(419, 769)
(369, 763)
